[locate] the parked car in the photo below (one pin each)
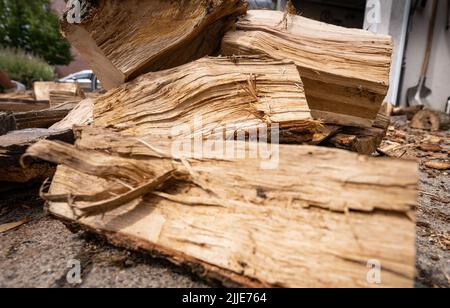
(87, 80)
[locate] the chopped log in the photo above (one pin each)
(364, 141)
(345, 71)
(308, 223)
(14, 145)
(81, 115)
(209, 97)
(40, 119)
(42, 89)
(7, 122)
(122, 39)
(431, 120)
(58, 98)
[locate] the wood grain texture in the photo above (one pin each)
(345, 71)
(122, 39)
(224, 95)
(80, 115)
(314, 221)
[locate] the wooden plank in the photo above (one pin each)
(14, 145)
(7, 122)
(314, 221)
(149, 35)
(345, 71)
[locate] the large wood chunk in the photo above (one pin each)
(317, 220)
(345, 71)
(122, 39)
(211, 96)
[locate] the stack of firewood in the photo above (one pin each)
(318, 216)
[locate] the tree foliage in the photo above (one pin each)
(31, 26)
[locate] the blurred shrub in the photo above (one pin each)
(25, 68)
(32, 26)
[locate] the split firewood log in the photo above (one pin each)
(122, 39)
(345, 71)
(310, 222)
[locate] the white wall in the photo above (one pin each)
(439, 71)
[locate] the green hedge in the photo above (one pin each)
(25, 68)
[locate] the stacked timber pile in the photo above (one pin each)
(150, 168)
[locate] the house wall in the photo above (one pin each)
(439, 70)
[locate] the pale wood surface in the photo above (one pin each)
(345, 71)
